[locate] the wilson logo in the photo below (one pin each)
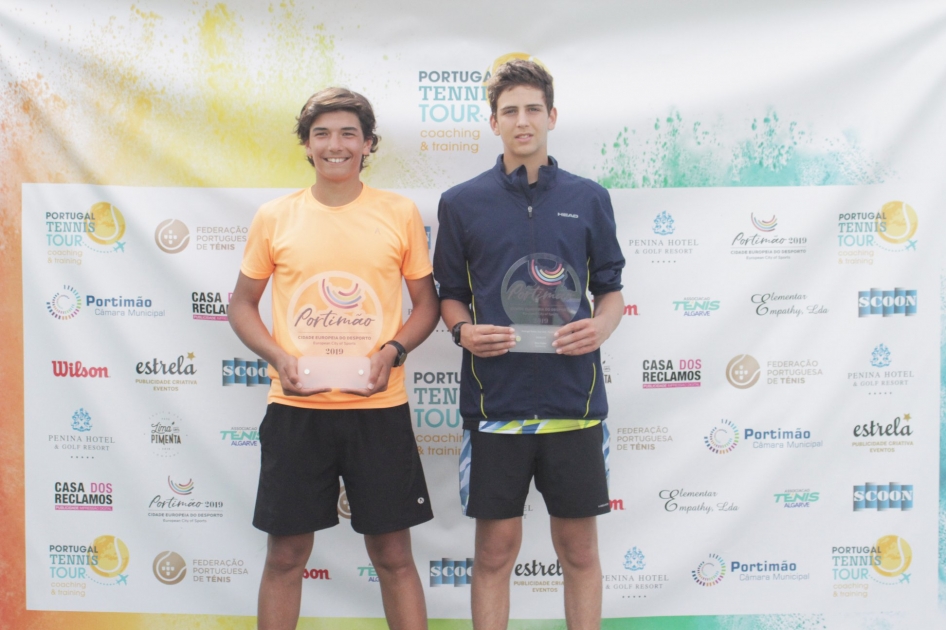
(77, 370)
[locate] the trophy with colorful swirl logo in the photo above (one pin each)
(540, 294)
(335, 320)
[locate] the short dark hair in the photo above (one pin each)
(336, 99)
(518, 72)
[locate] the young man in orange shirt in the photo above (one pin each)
(337, 253)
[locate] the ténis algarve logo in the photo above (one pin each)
(743, 371)
(710, 572)
(722, 438)
(172, 236)
(169, 567)
(65, 304)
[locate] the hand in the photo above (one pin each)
(288, 370)
(580, 337)
(485, 340)
(381, 364)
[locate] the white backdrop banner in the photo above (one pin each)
(774, 386)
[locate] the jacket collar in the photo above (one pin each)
(518, 180)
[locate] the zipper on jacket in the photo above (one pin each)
(535, 360)
(469, 279)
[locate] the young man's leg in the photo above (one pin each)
(401, 590)
(497, 546)
(576, 544)
(280, 590)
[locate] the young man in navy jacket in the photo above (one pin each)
(519, 245)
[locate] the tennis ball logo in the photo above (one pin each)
(108, 556)
(107, 224)
(344, 509)
(513, 55)
(169, 567)
(897, 222)
(895, 556)
(172, 236)
(743, 372)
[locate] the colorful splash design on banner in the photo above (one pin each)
(764, 151)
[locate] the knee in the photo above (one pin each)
(391, 555)
(285, 555)
(579, 556)
(498, 553)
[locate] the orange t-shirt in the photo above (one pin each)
(337, 280)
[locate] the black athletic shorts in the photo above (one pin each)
(570, 471)
(305, 451)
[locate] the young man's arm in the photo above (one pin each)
(587, 335)
(248, 325)
(483, 340)
(425, 311)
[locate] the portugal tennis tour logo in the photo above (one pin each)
(335, 314)
(710, 572)
(108, 558)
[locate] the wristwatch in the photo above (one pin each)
(401, 353)
(456, 332)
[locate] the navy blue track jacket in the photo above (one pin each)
(489, 223)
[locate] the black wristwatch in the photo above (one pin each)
(401, 353)
(456, 332)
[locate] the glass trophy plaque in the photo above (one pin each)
(335, 321)
(540, 294)
(334, 372)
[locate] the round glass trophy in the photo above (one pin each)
(540, 294)
(335, 320)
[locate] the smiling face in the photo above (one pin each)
(337, 146)
(523, 121)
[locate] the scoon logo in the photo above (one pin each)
(447, 572)
(77, 370)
